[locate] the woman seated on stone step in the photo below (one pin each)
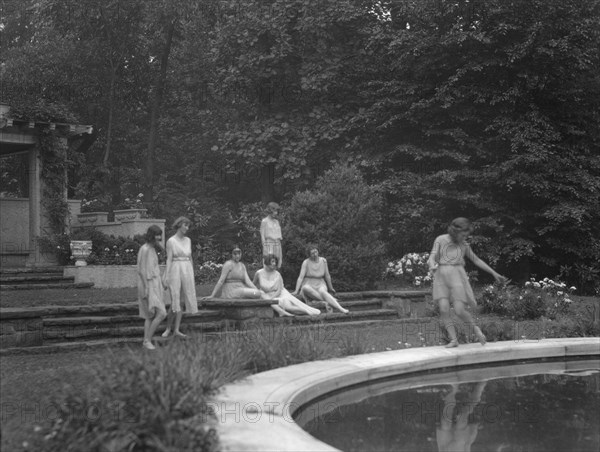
(314, 280)
(269, 280)
(234, 281)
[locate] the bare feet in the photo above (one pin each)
(148, 345)
(452, 344)
(167, 333)
(481, 338)
(179, 334)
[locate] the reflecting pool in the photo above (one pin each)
(525, 406)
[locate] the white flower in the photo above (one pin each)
(536, 285)
(527, 284)
(573, 288)
(559, 292)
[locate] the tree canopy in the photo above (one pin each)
(485, 109)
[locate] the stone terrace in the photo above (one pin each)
(57, 327)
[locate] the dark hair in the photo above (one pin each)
(236, 248)
(151, 234)
(268, 258)
(457, 225)
(310, 247)
(181, 220)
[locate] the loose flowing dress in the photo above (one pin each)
(150, 291)
(271, 282)
(450, 280)
(235, 281)
(272, 238)
(180, 277)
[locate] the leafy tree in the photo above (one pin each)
(342, 216)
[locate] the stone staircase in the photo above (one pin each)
(51, 328)
(37, 278)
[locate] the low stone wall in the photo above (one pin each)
(105, 276)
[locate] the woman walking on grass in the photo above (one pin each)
(150, 289)
(450, 282)
(179, 276)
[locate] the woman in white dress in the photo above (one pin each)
(314, 280)
(179, 276)
(269, 280)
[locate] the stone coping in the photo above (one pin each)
(235, 303)
(255, 414)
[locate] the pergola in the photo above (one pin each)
(22, 136)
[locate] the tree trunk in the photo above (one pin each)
(111, 107)
(159, 89)
(267, 182)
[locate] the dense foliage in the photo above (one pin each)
(341, 215)
(481, 109)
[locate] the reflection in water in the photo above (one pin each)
(455, 433)
(528, 407)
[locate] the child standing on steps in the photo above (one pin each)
(150, 290)
(450, 282)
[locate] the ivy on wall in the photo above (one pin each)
(53, 150)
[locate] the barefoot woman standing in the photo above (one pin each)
(450, 282)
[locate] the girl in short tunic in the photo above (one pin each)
(450, 281)
(270, 233)
(179, 275)
(150, 289)
(269, 280)
(314, 281)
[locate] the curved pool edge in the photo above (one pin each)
(255, 414)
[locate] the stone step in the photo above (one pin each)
(119, 320)
(44, 285)
(51, 336)
(338, 317)
(35, 279)
(353, 305)
(30, 270)
(135, 341)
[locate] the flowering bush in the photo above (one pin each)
(132, 203)
(208, 272)
(412, 268)
(122, 252)
(94, 205)
(536, 299)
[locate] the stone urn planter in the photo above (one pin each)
(92, 218)
(80, 250)
(129, 214)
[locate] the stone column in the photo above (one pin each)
(35, 171)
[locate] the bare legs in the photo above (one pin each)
(464, 315)
(150, 326)
(173, 324)
(321, 294)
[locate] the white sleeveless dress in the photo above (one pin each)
(180, 278)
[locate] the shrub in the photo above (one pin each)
(534, 300)
(147, 402)
(342, 216)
